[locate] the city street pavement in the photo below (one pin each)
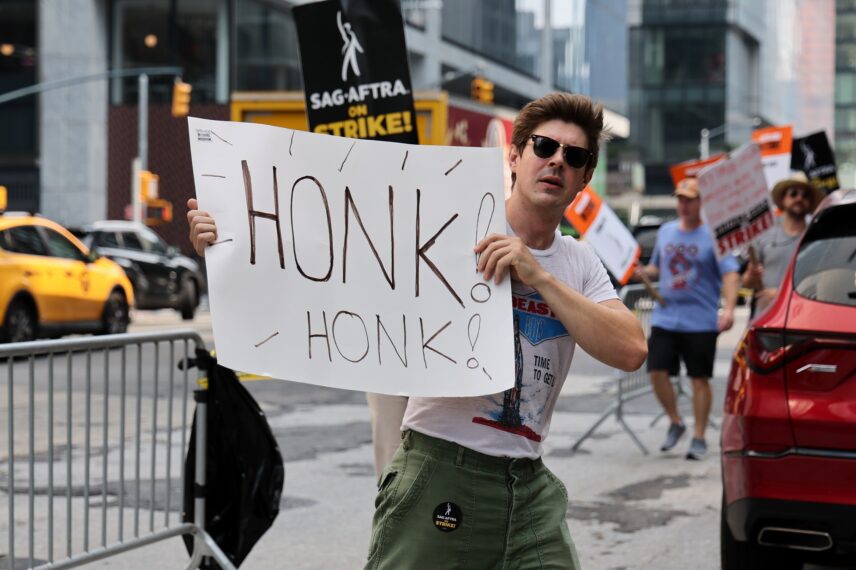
(627, 510)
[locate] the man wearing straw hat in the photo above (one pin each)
(795, 197)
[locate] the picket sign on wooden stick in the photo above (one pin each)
(734, 199)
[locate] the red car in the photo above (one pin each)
(789, 429)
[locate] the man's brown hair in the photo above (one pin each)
(569, 107)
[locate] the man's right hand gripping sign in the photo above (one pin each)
(203, 231)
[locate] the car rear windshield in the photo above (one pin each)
(825, 268)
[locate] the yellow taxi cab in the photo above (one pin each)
(51, 284)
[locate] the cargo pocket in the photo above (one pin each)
(398, 491)
(556, 481)
(383, 501)
(383, 484)
(407, 492)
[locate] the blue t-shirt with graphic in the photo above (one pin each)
(690, 279)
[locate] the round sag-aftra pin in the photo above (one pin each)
(447, 517)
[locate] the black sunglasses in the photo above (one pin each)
(545, 147)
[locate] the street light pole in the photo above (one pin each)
(142, 161)
(704, 141)
(706, 134)
(62, 83)
(143, 118)
(704, 144)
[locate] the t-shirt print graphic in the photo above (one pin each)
(534, 321)
(680, 266)
(538, 323)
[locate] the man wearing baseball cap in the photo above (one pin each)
(795, 197)
(686, 327)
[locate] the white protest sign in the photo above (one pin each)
(734, 199)
(349, 263)
(602, 229)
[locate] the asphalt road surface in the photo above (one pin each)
(627, 510)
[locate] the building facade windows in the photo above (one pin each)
(17, 70)
(686, 11)
(681, 55)
(19, 61)
(571, 67)
(696, 64)
(163, 33)
(845, 91)
(845, 87)
(845, 56)
(677, 83)
(845, 27)
(499, 30)
(267, 55)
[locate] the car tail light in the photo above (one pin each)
(764, 349)
(756, 405)
(769, 350)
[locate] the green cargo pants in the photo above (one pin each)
(442, 505)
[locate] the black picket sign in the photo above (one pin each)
(355, 72)
(813, 155)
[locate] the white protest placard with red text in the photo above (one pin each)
(734, 199)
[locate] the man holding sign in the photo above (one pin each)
(687, 326)
(467, 487)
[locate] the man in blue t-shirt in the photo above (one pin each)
(686, 328)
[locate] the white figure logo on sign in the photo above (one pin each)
(350, 47)
(809, 160)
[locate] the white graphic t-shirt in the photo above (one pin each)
(515, 422)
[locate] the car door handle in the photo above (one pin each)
(825, 368)
(68, 273)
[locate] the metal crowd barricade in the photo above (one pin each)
(631, 385)
(96, 431)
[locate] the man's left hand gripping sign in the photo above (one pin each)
(349, 263)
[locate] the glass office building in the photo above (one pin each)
(845, 91)
(680, 77)
(724, 65)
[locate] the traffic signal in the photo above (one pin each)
(482, 90)
(158, 212)
(154, 210)
(181, 98)
(149, 183)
